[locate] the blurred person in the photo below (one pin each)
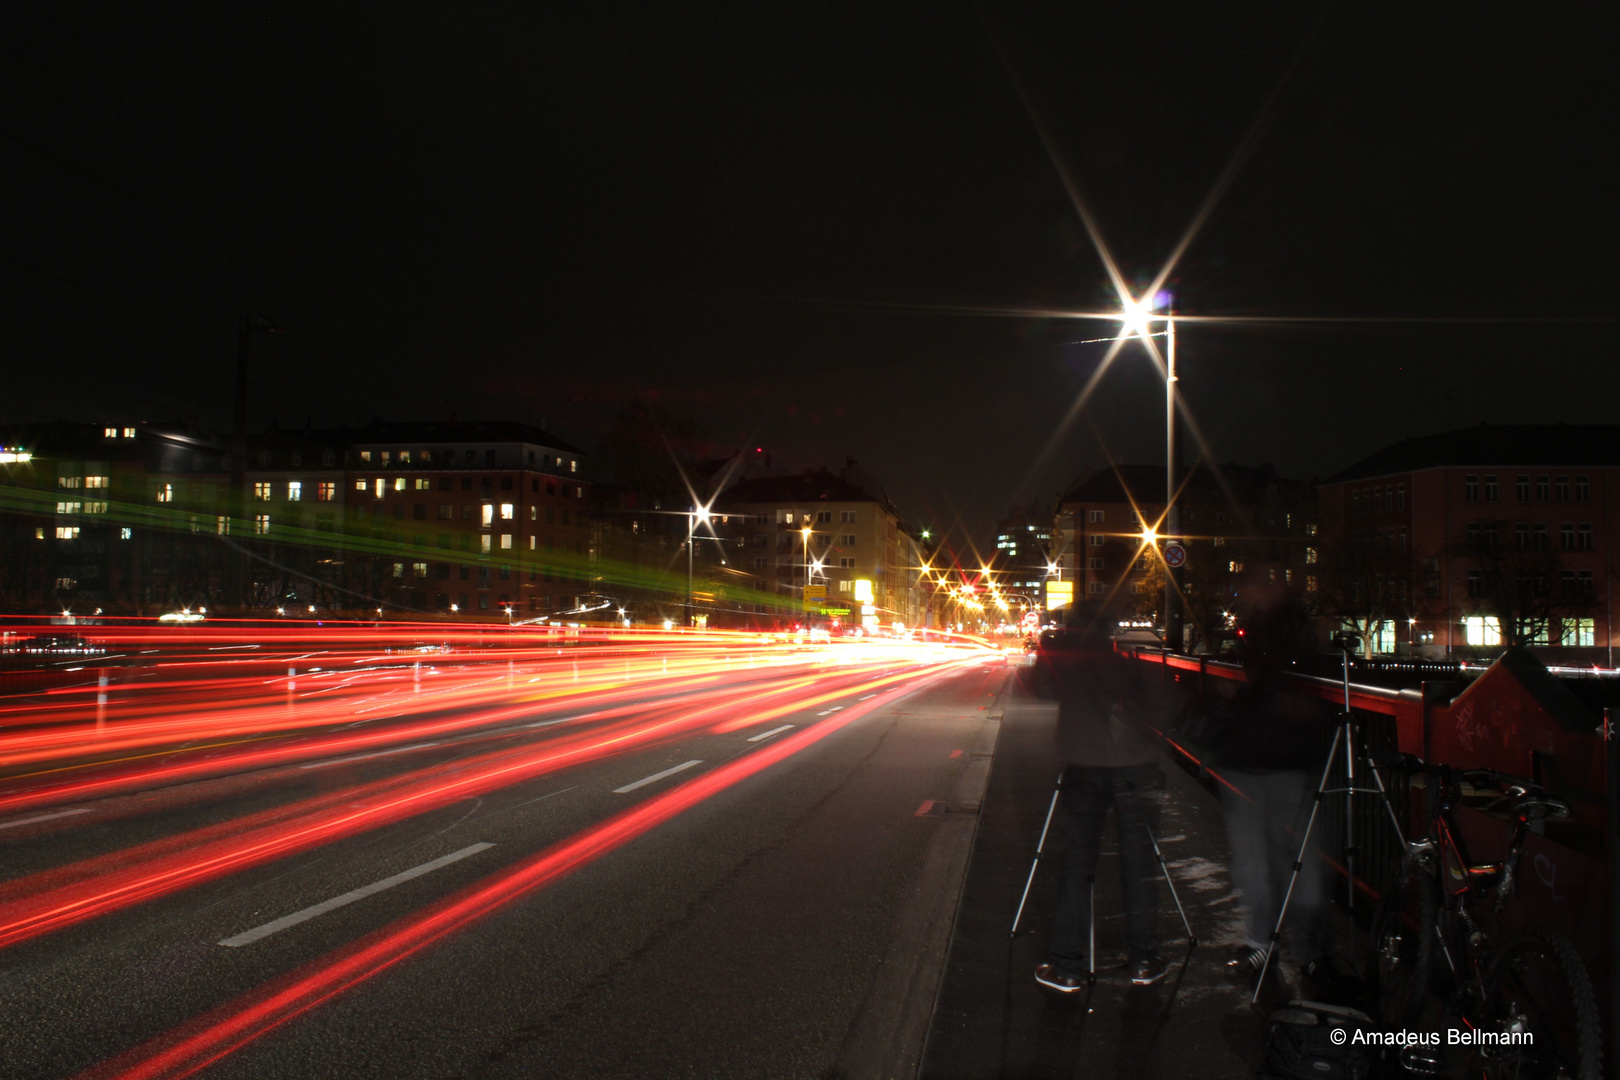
(1270, 742)
(1110, 761)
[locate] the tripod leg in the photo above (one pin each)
(1091, 932)
(1299, 862)
(1040, 848)
(1350, 809)
(1192, 939)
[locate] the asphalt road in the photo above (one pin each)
(712, 896)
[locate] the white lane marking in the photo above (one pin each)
(43, 817)
(363, 757)
(645, 780)
(248, 937)
(864, 697)
(762, 736)
(829, 712)
(548, 723)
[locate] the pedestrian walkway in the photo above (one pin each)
(992, 1020)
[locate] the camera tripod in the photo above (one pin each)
(1091, 882)
(1344, 735)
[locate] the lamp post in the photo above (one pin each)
(1136, 317)
(693, 516)
(804, 593)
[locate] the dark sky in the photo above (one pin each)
(764, 215)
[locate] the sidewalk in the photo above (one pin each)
(992, 1020)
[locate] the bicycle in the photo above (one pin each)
(1441, 953)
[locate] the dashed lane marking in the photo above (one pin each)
(43, 817)
(655, 777)
(248, 937)
(762, 736)
(363, 757)
(829, 712)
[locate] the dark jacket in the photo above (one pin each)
(1107, 704)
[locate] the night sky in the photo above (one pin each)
(776, 221)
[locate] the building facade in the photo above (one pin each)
(1461, 542)
(821, 545)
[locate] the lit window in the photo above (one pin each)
(67, 532)
(70, 481)
(261, 524)
(379, 487)
(531, 543)
(365, 455)
(39, 533)
(1310, 556)
(295, 491)
(483, 544)
(404, 457)
(387, 458)
(1579, 633)
(95, 508)
(506, 511)
(506, 540)
(1482, 630)
(261, 490)
(419, 569)
(68, 507)
(126, 533)
(165, 493)
(98, 481)
(129, 433)
(326, 490)
(399, 567)
(424, 484)
(399, 483)
(222, 525)
(360, 485)
(1234, 567)
(488, 512)
(109, 433)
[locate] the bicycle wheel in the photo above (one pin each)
(1539, 1000)
(1403, 941)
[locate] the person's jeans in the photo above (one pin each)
(1087, 794)
(1264, 831)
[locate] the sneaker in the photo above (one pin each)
(1049, 977)
(1149, 970)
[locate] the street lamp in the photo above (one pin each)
(1135, 319)
(693, 516)
(804, 593)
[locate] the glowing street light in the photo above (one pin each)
(695, 516)
(1135, 318)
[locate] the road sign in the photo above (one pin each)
(1174, 555)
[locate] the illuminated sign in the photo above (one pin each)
(863, 590)
(1059, 594)
(814, 596)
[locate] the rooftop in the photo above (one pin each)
(1501, 445)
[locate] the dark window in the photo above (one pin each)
(534, 486)
(1543, 489)
(1538, 536)
(506, 483)
(506, 573)
(1566, 536)
(1400, 497)
(466, 572)
(1583, 489)
(1490, 489)
(1584, 536)
(446, 483)
(1471, 489)
(1476, 583)
(419, 511)
(1521, 535)
(1561, 487)
(466, 483)
(1523, 485)
(489, 457)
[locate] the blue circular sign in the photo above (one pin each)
(1174, 555)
